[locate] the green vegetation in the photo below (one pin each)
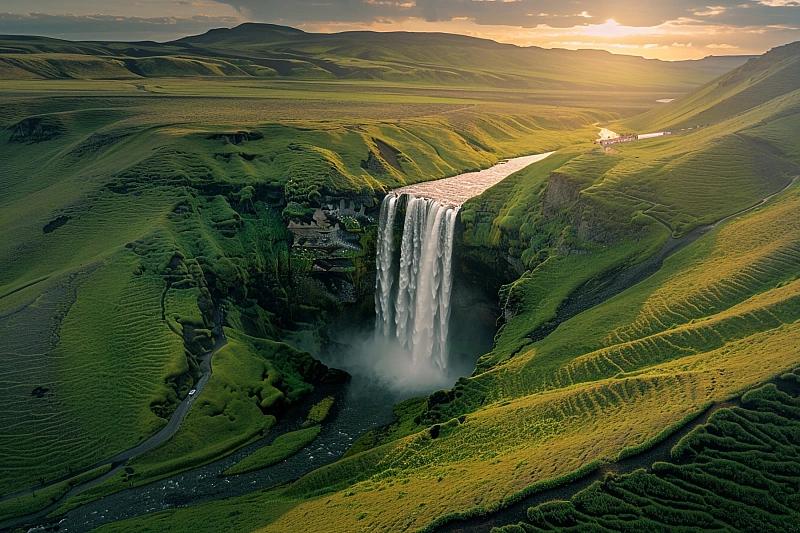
(761, 80)
(38, 500)
(607, 381)
(589, 214)
(281, 448)
(319, 412)
(267, 52)
(140, 206)
(86, 365)
(253, 381)
(734, 473)
(285, 446)
(127, 215)
(248, 388)
(153, 223)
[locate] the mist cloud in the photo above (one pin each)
(393, 367)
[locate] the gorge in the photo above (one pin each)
(409, 353)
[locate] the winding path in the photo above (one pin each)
(119, 461)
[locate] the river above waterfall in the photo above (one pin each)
(454, 191)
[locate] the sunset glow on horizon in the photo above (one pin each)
(684, 29)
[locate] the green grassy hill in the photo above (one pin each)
(127, 216)
(720, 316)
(605, 385)
(135, 204)
(735, 473)
(755, 83)
(445, 58)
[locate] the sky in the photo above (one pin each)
(664, 29)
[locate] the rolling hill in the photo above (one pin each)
(715, 316)
(127, 219)
(146, 188)
(269, 51)
(760, 80)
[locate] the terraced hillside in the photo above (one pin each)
(735, 473)
(666, 314)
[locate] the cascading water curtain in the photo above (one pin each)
(384, 261)
(412, 296)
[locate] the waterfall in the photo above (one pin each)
(409, 350)
(413, 285)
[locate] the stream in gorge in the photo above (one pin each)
(407, 355)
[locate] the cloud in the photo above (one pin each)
(109, 27)
(528, 13)
(751, 25)
(686, 38)
(711, 11)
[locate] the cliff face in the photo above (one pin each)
(560, 190)
(585, 223)
(520, 237)
(332, 258)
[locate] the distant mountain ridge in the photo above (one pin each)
(251, 32)
(260, 33)
(272, 51)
